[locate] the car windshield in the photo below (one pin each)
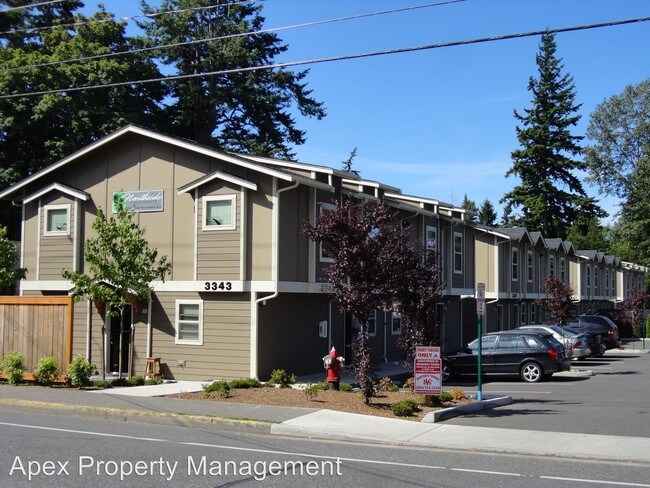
(572, 331)
(597, 319)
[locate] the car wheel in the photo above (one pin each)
(531, 373)
(446, 372)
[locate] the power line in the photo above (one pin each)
(336, 58)
(32, 5)
(230, 36)
(125, 19)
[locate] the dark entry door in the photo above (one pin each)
(114, 352)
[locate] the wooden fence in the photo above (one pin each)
(37, 327)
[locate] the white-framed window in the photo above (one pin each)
(57, 220)
(431, 237)
(529, 260)
(458, 253)
(562, 268)
(371, 323)
(189, 322)
(523, 314)
(588, 279)
(324, 256)
(396, 323)
(533, 313)
(515, 264)
(551, 265)
(219, 212)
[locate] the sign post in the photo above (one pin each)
(480, 311)
(427, 372)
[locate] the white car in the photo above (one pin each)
(577, 345)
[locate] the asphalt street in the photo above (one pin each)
(615, 401)
(64, 451)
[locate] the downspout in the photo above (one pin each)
(274, 274)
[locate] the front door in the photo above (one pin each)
(114, 341)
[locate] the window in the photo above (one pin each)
(551, 265)
(219, 212)
(523, 314)
(515, 264)
(529, 258)
(431, 237)
(533, 313)
(189, 322)
(488, 343)
(607, 282)
(562, 267)
(396, 323)
(458, 253)
(588, 279)
(596, 278)
(371, 324)
(325, 257)
(57, 220)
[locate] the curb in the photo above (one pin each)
(126, 415)
(451, 412)
(574, 373)
(614, 352)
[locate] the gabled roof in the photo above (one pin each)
(295, 165)
(174, 141)
(591, 254)
(217, 175)
(491, 230)
(516, 233)
(359, 183)
(68, 190)
(553, 243)
(536, 237)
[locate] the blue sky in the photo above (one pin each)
(439, 123)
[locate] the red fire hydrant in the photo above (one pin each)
(332, 364)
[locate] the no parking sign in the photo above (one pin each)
(428, 371)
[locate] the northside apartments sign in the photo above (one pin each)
(140, 201)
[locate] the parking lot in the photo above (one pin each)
(614, 401)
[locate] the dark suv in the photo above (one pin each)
(600, 324)
(531, 355)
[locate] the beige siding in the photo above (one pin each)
(484, 251)
(56, 252)
(259, 241)
(225, 352)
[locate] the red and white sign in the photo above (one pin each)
(427, 371)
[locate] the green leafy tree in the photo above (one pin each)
(37, 130)
(248, 111)
(472, 209)
(618, 161)
(487, 215)
(121, 266)
(10, 273)
(550, 195)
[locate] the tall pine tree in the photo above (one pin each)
(550, 196)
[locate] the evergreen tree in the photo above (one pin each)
(247, 111)
(347, 163)
(470, 206)
(487, 215)
(550, 196)
(589, 234)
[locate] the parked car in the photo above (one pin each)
(532, 355)
(593, 339)
(600, 324)
(622, 320)
(576, 342)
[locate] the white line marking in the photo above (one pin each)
(217, 446)
(618, 483)
(485, 472)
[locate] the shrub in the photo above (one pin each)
(121, 382)
(137, 381)
(345, 387)
(457, 393)
(46, 370)
(13, 365)
(445, 396)
(323, 385)
(281, 378)
(647, 327)
(405, 408)
(311, 392)
(102, 384)
(409, 384)
(386, 384)
(153, 381)
(245, 383)
(219, 388)
(79, 372)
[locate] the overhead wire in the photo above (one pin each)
(335, 58)
(229, 36)
(124, 19)
(40, 4)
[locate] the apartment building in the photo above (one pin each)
(246, 293)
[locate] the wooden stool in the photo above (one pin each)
(152, 368)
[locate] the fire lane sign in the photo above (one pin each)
(427, 371)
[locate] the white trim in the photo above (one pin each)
(217, 175)
(89, 311)
(76, 194)
(22, 246)
(371, 183)
(205, 200)
(434, 228)
(514, 250)
(242, 236)
(314, 168)
(393, 316)
(149, 329)
(39, 231)
(252, 365)
(275, 217)
(184, 301)
(462, 253)
(77, 239)
(196, 233)
(58, 206)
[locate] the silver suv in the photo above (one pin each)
(576, 345)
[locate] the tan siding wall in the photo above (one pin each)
(56, 252)
(485, 262)
(260, 231)
(225, 352)
(30, 239)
